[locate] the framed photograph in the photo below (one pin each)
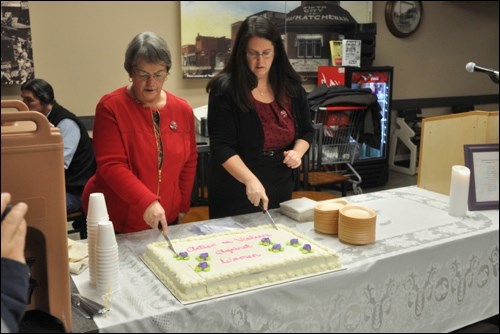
(482, 160)
(17, 51)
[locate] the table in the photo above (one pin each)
(427, 271)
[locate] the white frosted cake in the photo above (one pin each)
(219, 263)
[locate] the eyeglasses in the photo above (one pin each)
(145, 76)
(254, 54)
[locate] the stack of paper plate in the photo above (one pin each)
(326, 215)
(357, 224)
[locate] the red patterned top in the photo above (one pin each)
(277, 123)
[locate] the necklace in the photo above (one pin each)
(267, 91)
(137, 100)
(260, 92)
(132, 94)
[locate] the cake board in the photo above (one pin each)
(229, 293)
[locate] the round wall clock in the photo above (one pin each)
(403, 17)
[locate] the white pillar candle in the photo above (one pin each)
(459, 190)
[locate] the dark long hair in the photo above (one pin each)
(237, 78)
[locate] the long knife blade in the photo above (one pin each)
(268, 215)
(167, 239)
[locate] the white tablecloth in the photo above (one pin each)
(426, 272)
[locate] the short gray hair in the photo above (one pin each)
(150, 47)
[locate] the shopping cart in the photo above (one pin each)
(339, 148)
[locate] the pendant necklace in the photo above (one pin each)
(131, 91)
(137, 100)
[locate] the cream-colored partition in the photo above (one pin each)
(442, 145)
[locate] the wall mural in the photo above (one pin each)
(17, 52)
(208, 29)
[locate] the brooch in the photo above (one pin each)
(173, 125)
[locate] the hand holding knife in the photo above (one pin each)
(167, 239)
(268, 215)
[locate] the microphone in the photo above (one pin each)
(471, 67)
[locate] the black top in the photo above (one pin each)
(83, 164)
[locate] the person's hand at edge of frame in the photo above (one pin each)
(14, 229)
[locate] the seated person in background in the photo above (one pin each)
(15, 272)
(145, 144)
(79, 161)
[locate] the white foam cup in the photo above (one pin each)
(108, 287)
(105, 235)
(97, 210)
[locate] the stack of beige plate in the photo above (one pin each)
(357, 224)
(326, 215)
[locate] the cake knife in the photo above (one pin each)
(167, 239)
(268, 215)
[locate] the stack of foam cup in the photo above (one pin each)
(106, 258)
(96, 213)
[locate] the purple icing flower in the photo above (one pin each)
(203, 265)
(182, 256)
(265, 240)
(307, 247)
(294, 241)
(203, 256)
(276, 247)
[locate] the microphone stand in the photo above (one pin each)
(493, 78)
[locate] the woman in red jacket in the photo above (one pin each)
(144, 143)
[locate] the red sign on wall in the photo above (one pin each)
(331, 75)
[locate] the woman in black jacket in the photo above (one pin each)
(259, 124)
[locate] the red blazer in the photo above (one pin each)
(127, 159)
